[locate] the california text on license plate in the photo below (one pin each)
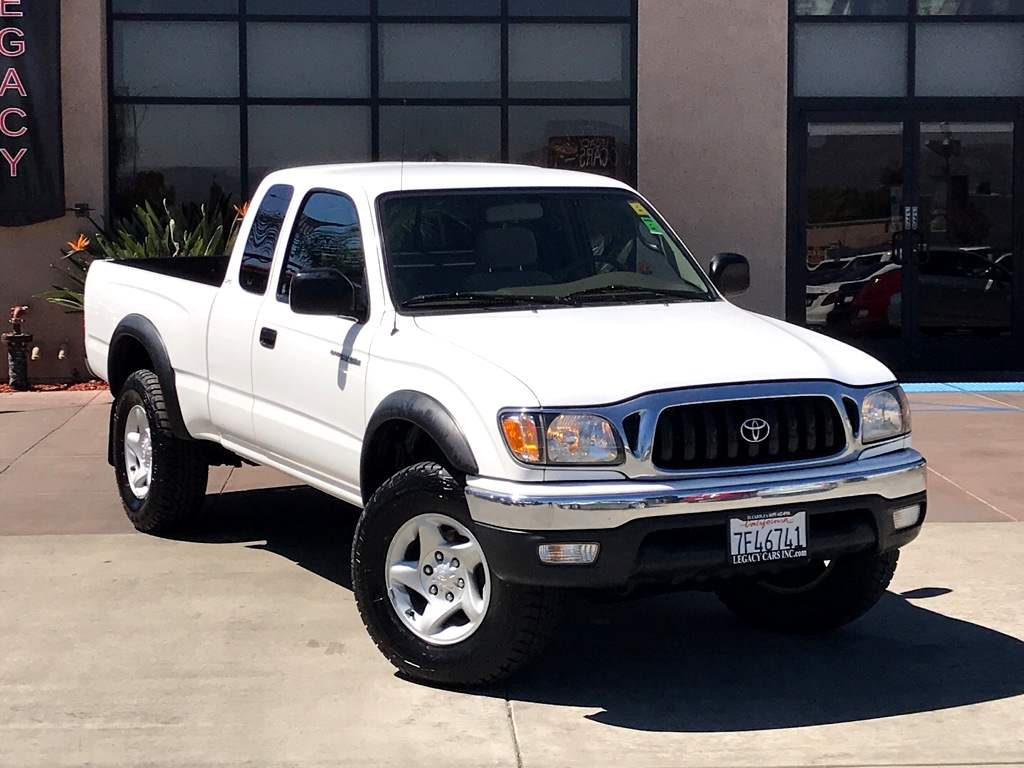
(767, 536)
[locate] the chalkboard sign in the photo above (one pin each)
(31, 152)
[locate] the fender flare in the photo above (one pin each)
(429, 415)
(142, 330)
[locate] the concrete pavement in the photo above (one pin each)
(240, 645)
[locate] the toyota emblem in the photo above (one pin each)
(755, 430)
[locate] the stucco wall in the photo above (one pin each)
(27, 252)
(712, 130)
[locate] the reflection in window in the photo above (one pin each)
(439, 134)
(258, 256)
(568, 7)
(854, 191)
(174, 58)
(439, 7)
(175, 6)
(851, 59)
(962, 7)
(569, 60)
(966, 260)
(592, 139)
(335, 60)
(439, 60)
(316, 135)
(326, 235)
(153, 161)
(308, 7)
(969, 59)
(850, 7)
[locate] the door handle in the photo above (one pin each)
(268, 337)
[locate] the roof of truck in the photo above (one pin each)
(381, 178)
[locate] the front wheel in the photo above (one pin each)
(817, 597)
(426, 594)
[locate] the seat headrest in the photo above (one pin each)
(506, 248)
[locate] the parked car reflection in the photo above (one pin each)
(959, 291)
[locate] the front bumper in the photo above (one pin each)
(676, 532)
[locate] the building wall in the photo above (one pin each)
(26, 253)
(712, 80)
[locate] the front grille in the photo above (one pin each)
(708, 435)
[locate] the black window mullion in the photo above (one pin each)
(374, 82)
(243, 95)
(912, 57)
(504, 82)
(634, 86)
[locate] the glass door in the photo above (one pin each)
(961, 292)
(851, 235)
(907, 237)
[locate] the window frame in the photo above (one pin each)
(503, 20)
(363, 297)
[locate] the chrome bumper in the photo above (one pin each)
(609, 504)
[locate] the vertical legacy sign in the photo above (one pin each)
(31, 152)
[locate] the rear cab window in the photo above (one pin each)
(258, 256)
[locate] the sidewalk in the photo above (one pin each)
(241, 645)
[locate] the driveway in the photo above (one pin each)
(240, 644)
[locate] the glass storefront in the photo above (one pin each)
(210, 96)
(906, 227)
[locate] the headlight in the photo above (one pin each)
(568, 438)
(885, 414)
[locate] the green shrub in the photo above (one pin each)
(189, 230)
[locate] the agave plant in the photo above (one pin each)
(181, 231)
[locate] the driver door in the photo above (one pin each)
(309, 371)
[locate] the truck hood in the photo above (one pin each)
(598, 355)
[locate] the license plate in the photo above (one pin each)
(767, 537)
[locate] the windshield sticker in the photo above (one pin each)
(652, 226)
(640, 210)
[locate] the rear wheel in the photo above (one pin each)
(426, 594)
(161, 478)
(818, 597)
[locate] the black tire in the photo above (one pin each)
(815, 598)
(178, 484)
(519, 619)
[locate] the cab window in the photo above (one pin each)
(326, 234)
(254, 272)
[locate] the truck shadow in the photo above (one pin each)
(681, 662)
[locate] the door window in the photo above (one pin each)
(966, 258)
(258, 256)
(326, 235)
(854, 192)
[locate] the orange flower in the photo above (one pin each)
(241, 210)
(78, 245)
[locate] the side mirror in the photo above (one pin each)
(730, 272)
(322, 292)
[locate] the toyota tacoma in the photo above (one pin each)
(528, 386)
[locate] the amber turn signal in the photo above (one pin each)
(522, 436)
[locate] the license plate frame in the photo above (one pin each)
(775, 536)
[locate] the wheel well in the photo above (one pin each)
(127, 356)
(396, 444)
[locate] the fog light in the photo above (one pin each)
(568, 554)
(906, 517)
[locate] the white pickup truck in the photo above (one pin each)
(528, 384)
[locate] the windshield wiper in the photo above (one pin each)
(607, 291)
(471, 298)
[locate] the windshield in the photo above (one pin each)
(515, 248)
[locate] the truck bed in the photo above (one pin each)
(198, 269)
